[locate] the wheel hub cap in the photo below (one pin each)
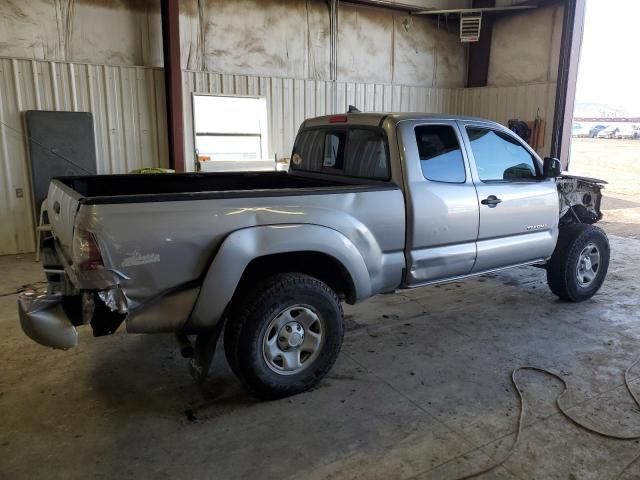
(293, 340)
(588, 265)
(290, 336)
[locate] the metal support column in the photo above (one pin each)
(571, 43)
(479, 52)
(173, 82)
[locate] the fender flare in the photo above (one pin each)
(244, 245)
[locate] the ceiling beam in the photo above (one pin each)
(382, 4)
(479, 52)
(434, 11)
(570, 45)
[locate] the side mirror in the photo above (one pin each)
(551, 167)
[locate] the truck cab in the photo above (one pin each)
(476, 198)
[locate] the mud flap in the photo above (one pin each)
(205, 349)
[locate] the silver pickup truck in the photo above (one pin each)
(372, 203)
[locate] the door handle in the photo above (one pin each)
(492, 201)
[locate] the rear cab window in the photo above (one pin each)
(354, 151)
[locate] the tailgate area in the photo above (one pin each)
(63, 203)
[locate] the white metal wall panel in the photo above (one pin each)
(129, 123)
(15, 213)
(290, 101)
(501, 104)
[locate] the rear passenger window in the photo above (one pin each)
(440, 155)
(356, 152)
(500, 157)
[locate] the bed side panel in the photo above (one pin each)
(162, 245)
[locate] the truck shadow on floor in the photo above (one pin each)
(147, 374)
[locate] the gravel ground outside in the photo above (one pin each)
(617, 162)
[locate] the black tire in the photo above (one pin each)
(254, 312)
(562, 269)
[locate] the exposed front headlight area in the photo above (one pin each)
(580, 199)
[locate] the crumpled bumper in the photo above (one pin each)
(43, 320)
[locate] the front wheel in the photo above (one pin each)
(579, 263)
(284, 335)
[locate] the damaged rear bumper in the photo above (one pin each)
(43, 319)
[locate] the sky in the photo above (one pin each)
(609, 69)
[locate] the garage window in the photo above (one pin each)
(230, 128)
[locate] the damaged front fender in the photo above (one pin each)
(580, 199)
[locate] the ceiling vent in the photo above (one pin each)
(470, 26)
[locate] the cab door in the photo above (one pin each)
(441, 202)
(518, 207)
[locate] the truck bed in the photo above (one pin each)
(134, 188)
(186, 216)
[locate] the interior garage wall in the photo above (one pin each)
(523, 70)
(109, 32)
(525, 47)
(386, 61)
(285, 38)
(290, 101)
(280, 49)
(129, 125)
(291, 39)
(501, 104)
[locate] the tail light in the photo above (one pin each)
(85, 251)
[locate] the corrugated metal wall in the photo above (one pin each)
(290, 101)
(501, 104)
(129, 121)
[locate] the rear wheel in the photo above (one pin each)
(284, 335)
(579, 263)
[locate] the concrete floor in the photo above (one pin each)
(421, 390)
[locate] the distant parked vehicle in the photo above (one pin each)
(609, 132)
(593, 132)
(579, 130)
(628, 132)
